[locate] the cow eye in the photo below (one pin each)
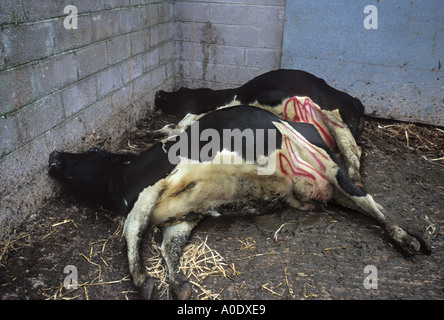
(95, 149)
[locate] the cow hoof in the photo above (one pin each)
(424, 240)
(183, 292)
(147, 289)
(412, 241)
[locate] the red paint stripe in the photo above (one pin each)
(301, 172)
(309, 146)
(309, 113)
(297, 159)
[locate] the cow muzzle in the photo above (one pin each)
(54, 161)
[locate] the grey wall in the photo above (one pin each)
(223, 44)
(396, 69)
(73, 89)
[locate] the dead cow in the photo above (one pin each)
(175, 184)
(293, 95)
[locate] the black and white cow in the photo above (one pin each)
(292, 95)
(239, 160)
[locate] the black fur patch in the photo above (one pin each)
(347, 184)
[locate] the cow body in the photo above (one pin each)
(269, 89)
(292, 95)
(224, 180)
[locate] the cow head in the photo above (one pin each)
(88, 173)
(175, 103)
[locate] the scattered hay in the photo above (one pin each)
(14, 243)
(198, 261)
(61, 293)
(424, 140)
(247, 244)
(97, 259)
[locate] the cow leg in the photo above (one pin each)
(174, 240)
(135, 225)
(346, 143)
(408, 239)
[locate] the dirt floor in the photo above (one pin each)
(283, 255)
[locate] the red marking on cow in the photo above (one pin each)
(295, 163)
(309, 113)
(295, 171)
(310, 148)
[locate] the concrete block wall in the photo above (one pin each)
(222, 44)
(73, 89)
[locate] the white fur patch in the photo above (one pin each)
(204, 186)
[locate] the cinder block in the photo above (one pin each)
(140, 41)
(41, 10)
(273, 37)
(166, 52)
(241, 36)
(150, 15)
(142, 86)
(158, 76)
(161, 33)
(183, 68)
(79, 95)
(196, 51)
(42, 115)
(130, 20)
(119, 48)
(11, 11)
(92, 59)
(150, 60)
(132, 69)
(260, 57)
(105, 24)
(9, 135)
(193, 31)
(56, 73)
(121, 98)
(16, 88)
(225, 74)
(191, 11)
(17, 168)
(229, 13)
(165, 12)
(265, 16)
(110, 4)
(27, 42)
(73, 131)
(87, 6)
(66, 39)
(109, 80)
(182, 31)
(96, 115)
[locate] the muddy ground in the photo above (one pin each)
(283, 255)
